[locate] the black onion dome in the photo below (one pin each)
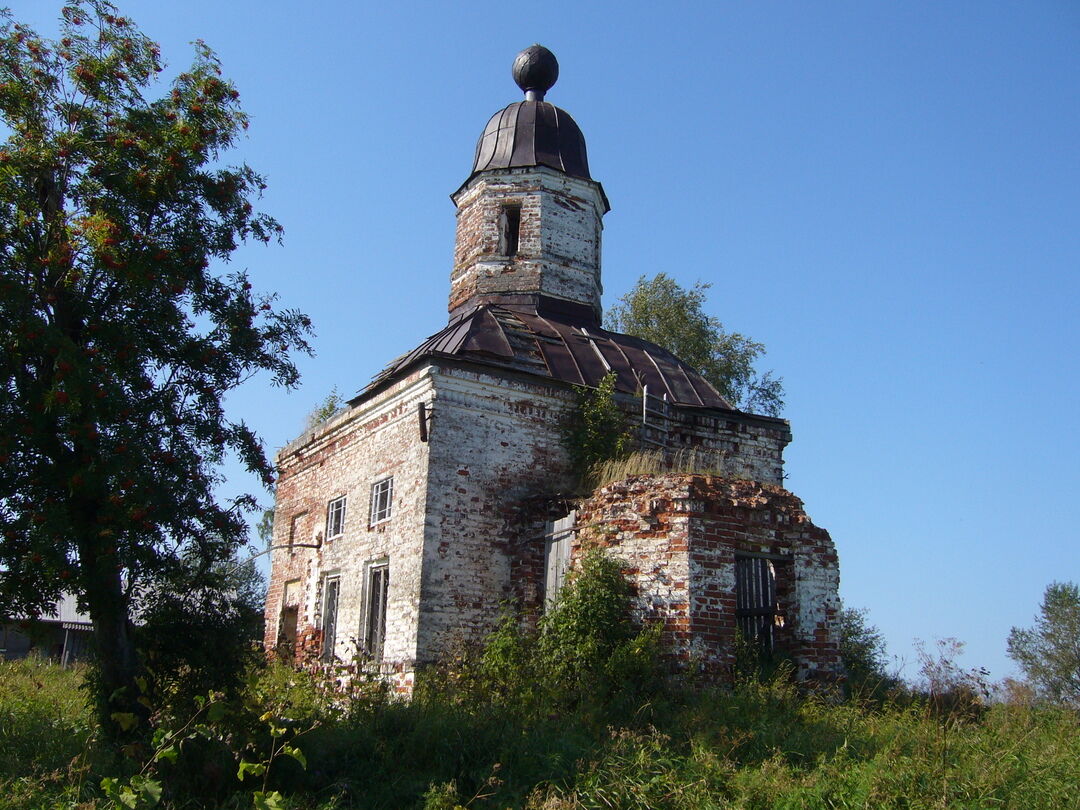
(532, 133)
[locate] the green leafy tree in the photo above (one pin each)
(661, 311)
(118, 340)
(220, 605)
(862, 648)
(264, 529)
(1049, 652)
(596, 430)
(325, 409)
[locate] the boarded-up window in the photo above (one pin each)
(557, 556)
(331, 590)
(290, 614)
(378, 590)
(755, 599)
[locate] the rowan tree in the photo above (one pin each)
(119, 334)
(663, 312)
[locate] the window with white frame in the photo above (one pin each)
(335, 517)
(382, 498)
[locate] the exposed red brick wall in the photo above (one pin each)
(559, 238)
(679, 536)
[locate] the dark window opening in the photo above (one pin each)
(509, 229)
(756, 609)
(286, 641)
(378, 589)
(329, 617)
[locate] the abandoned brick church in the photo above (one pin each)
(439, 493)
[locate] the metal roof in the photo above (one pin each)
(519, 338)
(532, 133)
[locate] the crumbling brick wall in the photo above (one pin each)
(471, 506)
(496, 449)
(680, 536)
(746, 445)
(559, 243)
(375, 439)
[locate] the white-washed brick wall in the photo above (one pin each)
(753, 447)
(496, 441)
(679, 536)
(817, 599)
(366, 443)
(559, 242)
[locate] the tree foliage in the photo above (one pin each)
(198, 629)
(325, 409)
(119, 341)
(1049, 652)
(661, 311)
(596, 430)
(862, 648)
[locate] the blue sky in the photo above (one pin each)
(887, 195)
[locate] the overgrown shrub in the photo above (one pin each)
(586, 649)
(596, 430)
(197, 633)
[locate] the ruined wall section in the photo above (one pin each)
(646, 524)
(496, 451)
(751, 446)
(559, 238)
(680, 536)
(367, 443)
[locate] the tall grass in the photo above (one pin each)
(575, 714)
(756, 745)
(660, 462)
(45, 728)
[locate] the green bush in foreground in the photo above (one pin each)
(759, 745)
(571, 715)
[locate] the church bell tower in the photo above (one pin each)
(529, 217)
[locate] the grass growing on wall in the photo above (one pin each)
(666, 462)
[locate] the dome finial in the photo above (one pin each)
(535, 70)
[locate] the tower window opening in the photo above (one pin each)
(509, 229)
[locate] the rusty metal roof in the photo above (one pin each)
(518, 337)
(532, 133)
